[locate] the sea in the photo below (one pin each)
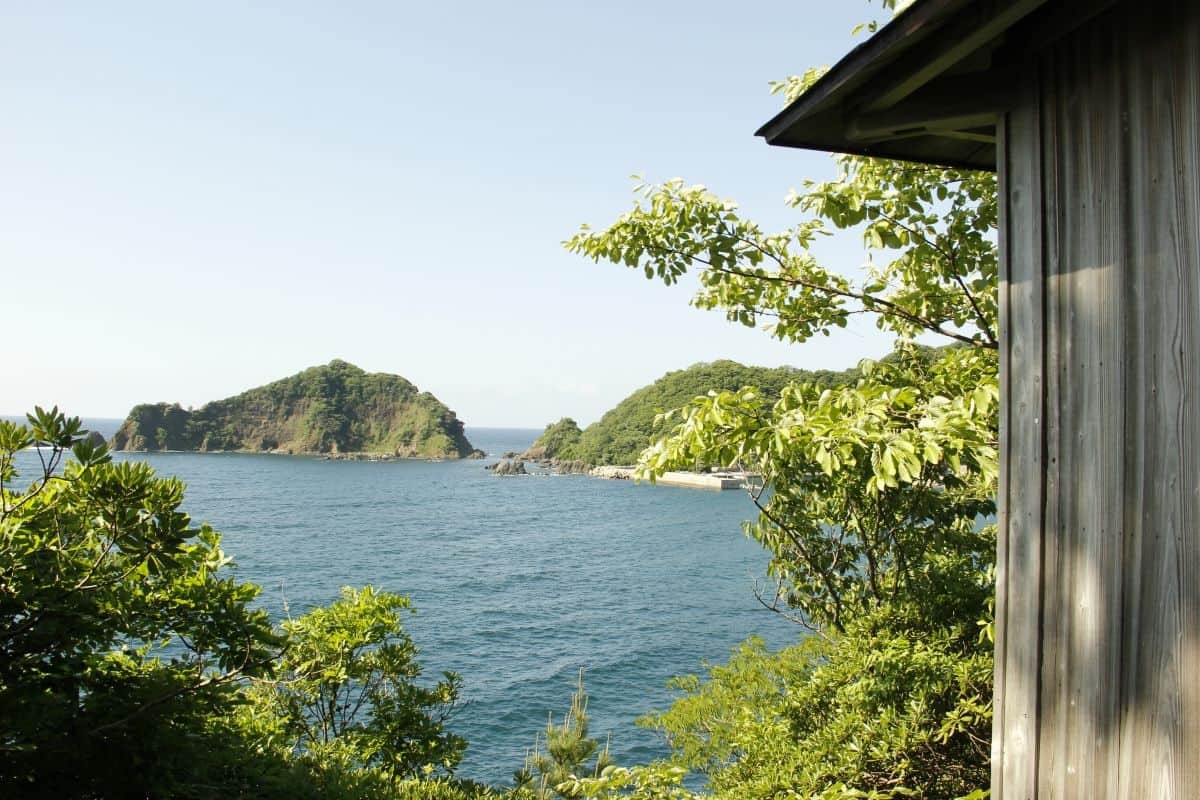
(519, 582)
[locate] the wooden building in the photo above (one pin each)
(1090, 112)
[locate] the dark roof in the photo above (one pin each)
(927, 86)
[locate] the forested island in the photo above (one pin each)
(336, 409)
(628, 428)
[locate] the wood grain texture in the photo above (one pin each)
(1019, 557)
(1098, 671)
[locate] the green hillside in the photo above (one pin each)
(622, 433)
(555, 440)
(336, 408)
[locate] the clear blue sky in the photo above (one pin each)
(200, 200)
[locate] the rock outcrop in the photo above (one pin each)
(555, 442)
(508, 468)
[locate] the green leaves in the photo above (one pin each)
(892, 708)
(345, 696)
(14, 437)
(122, 643)
(871, 509)
(860, 482)
(658, 781)
(872, 495)
(116, 633)
(933, 227)
(53, 428)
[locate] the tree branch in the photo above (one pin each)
(860, 297)
(834, 595)
(984, 327)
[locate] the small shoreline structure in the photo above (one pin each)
(719, 480)
(725, 479)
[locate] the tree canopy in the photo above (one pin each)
(874, 496)
(119, 635)
(132, 665)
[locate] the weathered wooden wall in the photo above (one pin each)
(1098, 615)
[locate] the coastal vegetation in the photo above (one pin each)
(628, 428)
(555, 440)
(875, 494)
(336, 408)
(561, 753)
(132, 664)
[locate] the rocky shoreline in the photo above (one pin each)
(514, 464)
(474, 455)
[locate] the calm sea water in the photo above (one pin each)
(518, 582)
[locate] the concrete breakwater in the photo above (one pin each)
(691, 480)
(723, 479)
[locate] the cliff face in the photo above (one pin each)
(337, 408)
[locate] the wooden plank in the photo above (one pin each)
(1138, 525)
(1079, 691)
(1105, 180)
(1007, 335)
(1018, 571)
(1053, 669)
(1187, 151)
(964, 36)
(950, 104)
(1088, 276)
(1161, 698)
(1140, 415)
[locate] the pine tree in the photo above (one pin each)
(567, 750)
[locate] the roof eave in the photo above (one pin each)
(924, 88)
(910, 22)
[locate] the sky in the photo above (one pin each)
(200, 198)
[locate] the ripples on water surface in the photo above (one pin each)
(518, 582)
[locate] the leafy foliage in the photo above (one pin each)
(871, 504)
(118, 638)
(130, 667)
(657, 781)
(336, 408)
(864, 487)
(897, 706)
(345, 695)
(872, 492)
(933, 226)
